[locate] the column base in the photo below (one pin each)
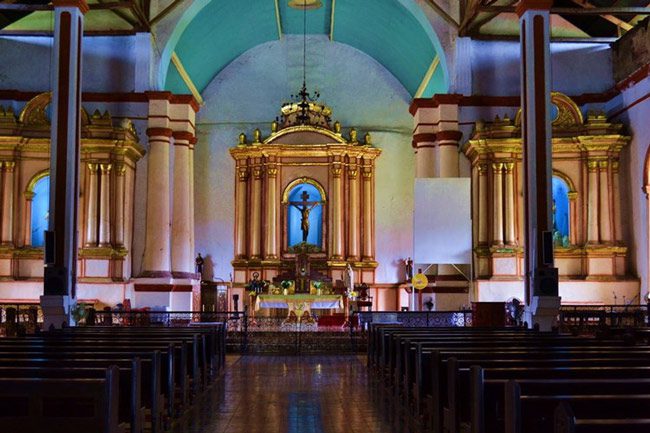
(543, 311)
(167, 294)
(56, 311)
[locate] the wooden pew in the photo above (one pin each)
(566, 421)
(68, 405)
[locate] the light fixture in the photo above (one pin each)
(305, 4)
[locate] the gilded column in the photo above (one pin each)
(511, 238)
(29, 197)
(182, 255)
(120, 171)
(616, 200)
(483, 216)
(270, 250)
(240, 201)
(104, 205)
(256, 214)
(592, 202)
(497, 232)
(367, 214)
(353, 214)
(8, 203)
(337, 212)
(605, 211)
(573, 209)
(157, 258)
(91, 205)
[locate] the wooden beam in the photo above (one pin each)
(165, 12)
(476, 24)
(186, 78)
(278, 22)
(577, 40)
(50, 32)
(576, 11)
(26, 7)
(133, 23)
(427, 77)
(139, 14)
(443, 14)
(332, 20)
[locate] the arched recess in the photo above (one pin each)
(397, 33)
(315, 209)
(646, 189)
(37, 200)
(564, 212)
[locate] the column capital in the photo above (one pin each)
(509, 167)
(80, 4)
(159, 132)
(105, 168)
(482, 168)
(449, 136)
(29, 195)
(92, 167)
(592, 165)
(120, 169)
(497, 167)
(615, 165)
(185, 136)
(242, 174)
(367, 173)
(9, 166)
(424, 137)
(603, 165)
(272, 171)
(572, 195)
(336, 170)
(353, 172)
(538, 5)
(258, 172)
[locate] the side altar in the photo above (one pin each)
(304, 202)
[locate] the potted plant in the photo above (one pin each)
(285, 284)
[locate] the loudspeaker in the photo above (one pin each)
(49, 247)
(546, 282)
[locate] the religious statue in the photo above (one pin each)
(337, 127)
(367, 139)
(305, 209)
(349, 278)
(198, 265)
(353, 136)
(408, 265)
(257, 136)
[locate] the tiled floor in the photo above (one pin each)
(289, 394)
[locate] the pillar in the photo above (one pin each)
(91, 205)
(368, 229)
(448, 152)
(157, 260)
(104, 205)
(353, 214)
(604, 204)
(425, 154)
(59, 292)
(270, 244)
(616, 202)
(573, 209)
(510, 235)
(592, 202)
(182, 256)
(497, 210)
(256, 214)
(483, 216)
(541, 283)
(29, 197)
(241, 192)
(120, 198)
(337, 212)
(8, 203)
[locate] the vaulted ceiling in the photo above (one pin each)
(396, 33)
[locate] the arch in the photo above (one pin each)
(39, 199)
(301, 180)
(561, 211)
(204, 48)
(309, 214)
(34, 113)
(566, 179)
(34, 180)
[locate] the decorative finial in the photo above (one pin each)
(367, 139)
(256, 136)
(337, 127)
(274, 127)
(353, 136)
(242, 139)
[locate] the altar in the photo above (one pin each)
(299, 302)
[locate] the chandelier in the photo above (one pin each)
(304, 108)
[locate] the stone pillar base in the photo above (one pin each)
(56, 311)
(544, 311)
(172, 295)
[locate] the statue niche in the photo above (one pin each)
(304, 214)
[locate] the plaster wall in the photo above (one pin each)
(633, 104)
(27, 63)
(247, 95)
(576, 68)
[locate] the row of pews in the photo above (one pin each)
(106, 379)
(473, 380)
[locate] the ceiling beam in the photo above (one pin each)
(139, 14)
(173, 5)
(186, 78)
(576, 11)
(427, 77)
(578, 40)
(611, 18)
(442, 13)
(332, 20)
(50, 32)
(132, 22)
(477, 23)
(26, 7)
(278, 22)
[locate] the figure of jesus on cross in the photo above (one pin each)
(305, 209)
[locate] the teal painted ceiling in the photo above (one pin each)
(214, 33)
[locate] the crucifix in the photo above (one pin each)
(305, 209)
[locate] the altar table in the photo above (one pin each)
(299, 302)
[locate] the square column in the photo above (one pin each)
(61, 244)
(541, 276)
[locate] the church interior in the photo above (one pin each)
(388, 169)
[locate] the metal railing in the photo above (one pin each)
(586, 318)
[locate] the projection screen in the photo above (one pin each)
(442, 221)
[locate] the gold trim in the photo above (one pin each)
(427, 76)
(332, 20)
(566, 179)
(305, 128)
(277, 19)
(38, 176)
(296, 182)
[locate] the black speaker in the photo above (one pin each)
(49, 247)
(547, 248)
